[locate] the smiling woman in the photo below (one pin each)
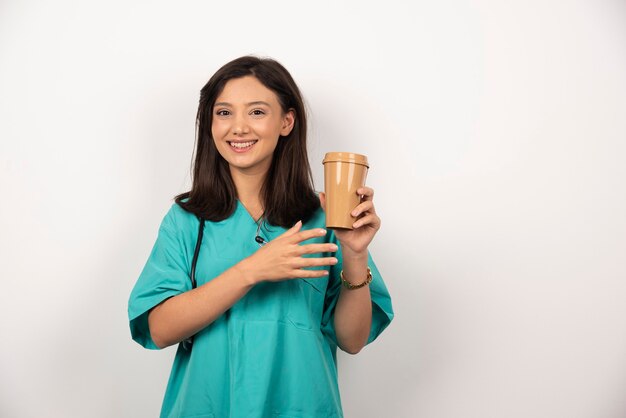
(247, 124)
(250, 99)
(268, 309)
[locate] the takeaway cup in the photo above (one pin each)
(344, 174)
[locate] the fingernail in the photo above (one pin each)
(325, 272)
(322, 231)
(355, 213)
(334, 260)
(334, 247)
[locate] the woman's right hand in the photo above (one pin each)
(282, 258)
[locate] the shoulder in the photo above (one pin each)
(317, 219)
(178, 219)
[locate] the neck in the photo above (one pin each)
(248, 187)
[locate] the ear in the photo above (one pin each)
(289, 119)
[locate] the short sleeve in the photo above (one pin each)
(165, 274)
(382, 310)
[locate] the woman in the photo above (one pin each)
(269, 309)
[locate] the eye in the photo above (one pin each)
(222, 112)
(257, 112)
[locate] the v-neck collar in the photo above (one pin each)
(248, 215)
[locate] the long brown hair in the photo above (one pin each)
(287, 193)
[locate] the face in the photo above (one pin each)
(247, 124)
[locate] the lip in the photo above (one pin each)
(242, 141)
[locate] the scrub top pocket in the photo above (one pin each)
(306, 303)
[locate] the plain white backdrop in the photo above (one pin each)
(496, 133)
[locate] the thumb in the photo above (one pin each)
(323, 200)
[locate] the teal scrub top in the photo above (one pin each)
(273, 353)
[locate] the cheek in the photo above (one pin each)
(268, 129)
(218, 136)
(218, 129)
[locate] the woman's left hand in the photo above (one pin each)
(365, 227)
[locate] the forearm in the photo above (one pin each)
(353, 313)
(182, 316)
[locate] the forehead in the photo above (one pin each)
(246, 90)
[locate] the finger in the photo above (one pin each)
(366, 192)
(323, 201)
(316, 262)
(366, 206)
(371, 220)
(307, 234)
(310, 274)
(318, 248)
(291, 231)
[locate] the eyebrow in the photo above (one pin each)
(256, 103)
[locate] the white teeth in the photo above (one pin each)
(242, 144)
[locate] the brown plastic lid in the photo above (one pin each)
(345, 157)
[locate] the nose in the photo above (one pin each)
(240, 126)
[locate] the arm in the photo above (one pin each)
(353, 313)
(181, 316)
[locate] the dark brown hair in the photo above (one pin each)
(287, 193)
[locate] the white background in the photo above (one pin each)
(496, 132)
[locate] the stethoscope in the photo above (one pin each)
(187, 343)
(258, 238)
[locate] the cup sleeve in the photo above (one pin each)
(382, 310)
(165, 274)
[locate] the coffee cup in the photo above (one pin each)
(344, 174)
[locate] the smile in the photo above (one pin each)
(241, 146)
